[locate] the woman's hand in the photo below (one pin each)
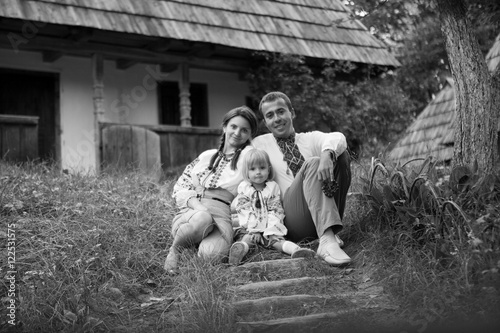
(195, 204)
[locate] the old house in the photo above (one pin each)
(72, 70)
(432, 133)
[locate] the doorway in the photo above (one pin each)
(29, 93)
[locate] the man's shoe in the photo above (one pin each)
(302, 252)
(237, 252)
(333, 254)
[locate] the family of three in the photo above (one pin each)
(288, 187)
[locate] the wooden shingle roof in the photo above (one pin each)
(425, 135)
(321, 29)
(432, 133)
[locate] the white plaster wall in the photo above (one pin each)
(225, 92)
(130, 97)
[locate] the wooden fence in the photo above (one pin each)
(18, 138)
(144, 145)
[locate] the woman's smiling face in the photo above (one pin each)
(237, 132)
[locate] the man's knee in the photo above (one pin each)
(312, 163)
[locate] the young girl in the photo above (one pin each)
(260, 213)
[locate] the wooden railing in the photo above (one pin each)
(178, 145)
(18, 138)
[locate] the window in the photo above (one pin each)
(168, 95)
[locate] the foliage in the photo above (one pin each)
(443, 229)
(370, 112)
(411, 29)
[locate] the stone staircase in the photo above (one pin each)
(307, 295)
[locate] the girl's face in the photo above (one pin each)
(237, 132)
(258, 173)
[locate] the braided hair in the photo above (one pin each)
(249, 115)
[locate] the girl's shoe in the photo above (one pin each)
(303, 252)
(237, 252)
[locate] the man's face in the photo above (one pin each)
(278, 118)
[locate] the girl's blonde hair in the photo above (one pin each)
(256, 157)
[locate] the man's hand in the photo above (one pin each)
(326, 166)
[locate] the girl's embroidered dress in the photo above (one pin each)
(261, 211)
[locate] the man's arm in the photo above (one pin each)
(331, 145)
(326, 165)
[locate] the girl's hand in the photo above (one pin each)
(257, 238)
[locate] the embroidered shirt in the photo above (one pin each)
(310, 144)
(261, 211)
(291, 153)
(196, 177)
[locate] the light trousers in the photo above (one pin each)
(308, 211)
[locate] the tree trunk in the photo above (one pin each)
(476, 104)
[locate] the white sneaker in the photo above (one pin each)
(237, 252)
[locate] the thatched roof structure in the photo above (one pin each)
(432, 133)
(322, 29)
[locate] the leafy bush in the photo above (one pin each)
(336, 96)
(437, 230)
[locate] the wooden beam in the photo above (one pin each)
(98, 86)
(80, 34)
(125, 63)
(168, 68)
(51, 56)
(161, 45)
(85, 49)
(202, 51)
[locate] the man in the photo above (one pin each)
(313, 172)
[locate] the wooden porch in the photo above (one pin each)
(150, 146)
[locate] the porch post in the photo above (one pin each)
(98, 85)
(185, 102)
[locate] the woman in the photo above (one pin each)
(204, 191)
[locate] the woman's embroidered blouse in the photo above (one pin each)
(196, 177)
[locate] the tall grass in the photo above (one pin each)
(431, 235)
(90, 249)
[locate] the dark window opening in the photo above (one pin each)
(169, 103)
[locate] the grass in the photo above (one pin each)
(90, 250)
